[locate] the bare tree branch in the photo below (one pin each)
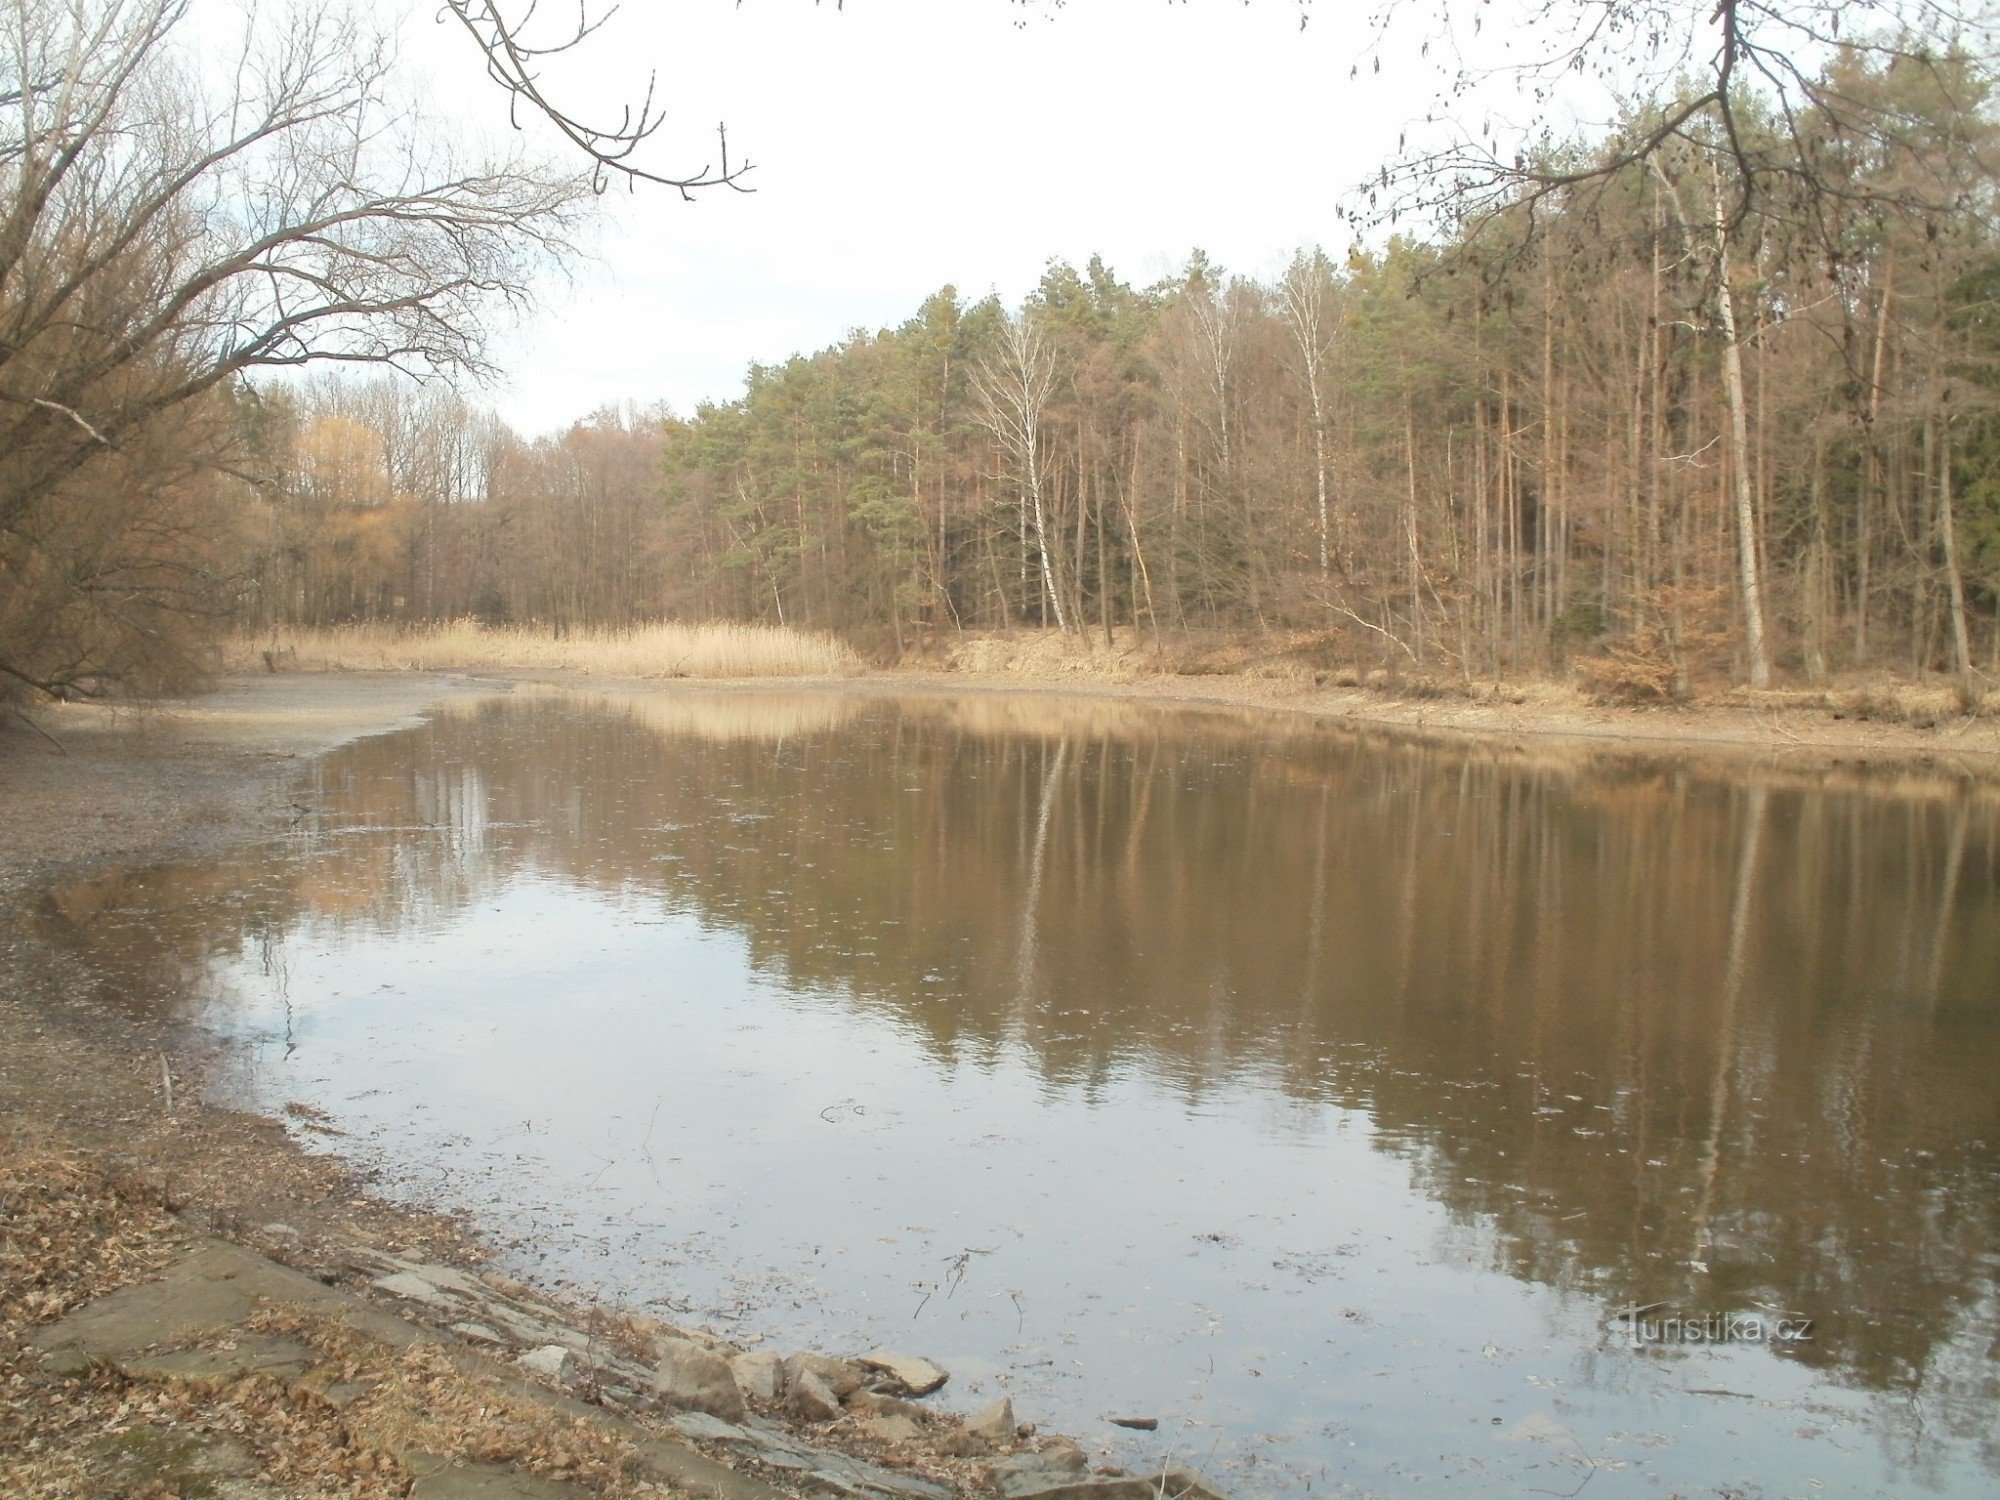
(514, 63)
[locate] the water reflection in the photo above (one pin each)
(1326, 1087)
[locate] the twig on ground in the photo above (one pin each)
(22, 715)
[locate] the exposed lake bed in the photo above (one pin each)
(1321, 1096)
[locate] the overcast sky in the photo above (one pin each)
(903, 144)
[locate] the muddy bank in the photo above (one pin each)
(1767, 728)
(89, 783)
(98, 785)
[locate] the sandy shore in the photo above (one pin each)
(1775, 730)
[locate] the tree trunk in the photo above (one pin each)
(1739, 454)
(1961, 643)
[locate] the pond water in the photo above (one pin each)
(1322, 1094)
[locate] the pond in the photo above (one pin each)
(1323, 1094)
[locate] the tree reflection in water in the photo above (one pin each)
(1648, 1030)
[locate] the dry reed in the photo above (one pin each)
(664, 650)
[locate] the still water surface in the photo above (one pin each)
(1321, 1094)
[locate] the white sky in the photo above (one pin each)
(903, 144)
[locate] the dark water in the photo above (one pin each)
(1324, 1096)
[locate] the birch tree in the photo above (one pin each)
(1014, 386)
(1306, 295)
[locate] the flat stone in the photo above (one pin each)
(915, 1375)
(777, 1449)
(479, 1333)
(169, 1459)
(704, 1428)
(694, 1378)
(249, 1354)
(993, 1424)
(524, 1328)
(1178, 1482)
(811, 1398)
(759, 1376)
(442, 1278)
(692, 1473)
(832, 1482)
(551, 1362)
(487, 1482)
(852, 1477)
(1057, 1458)
(819, 1470)
(413, 1288)
(876, 1404)
(891, 1429)
(1046, 1486)
(842, 1376)
(217, 1286)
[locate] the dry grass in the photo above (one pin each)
(1049, 653)
(1878, 699)
(467, 646)
(75, 1229)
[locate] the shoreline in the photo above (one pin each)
(1778, 732)
(1773, 728)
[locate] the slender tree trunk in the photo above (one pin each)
(1410, 521)
(1961, 642)
(1139, 556)
(1871, 489)
(1034, 478)
(1739, 453)
(1817, 590)
(1103, 570)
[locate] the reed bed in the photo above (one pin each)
(664, 650)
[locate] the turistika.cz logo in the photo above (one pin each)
(1652, 1324)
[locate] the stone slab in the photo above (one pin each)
(248, 1354)
(218, 1286)
(459, 1481)
(1046, 1486)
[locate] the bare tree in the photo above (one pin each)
(175, 220)
(1306, 295)
(1014, 389)
(1692, 67)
